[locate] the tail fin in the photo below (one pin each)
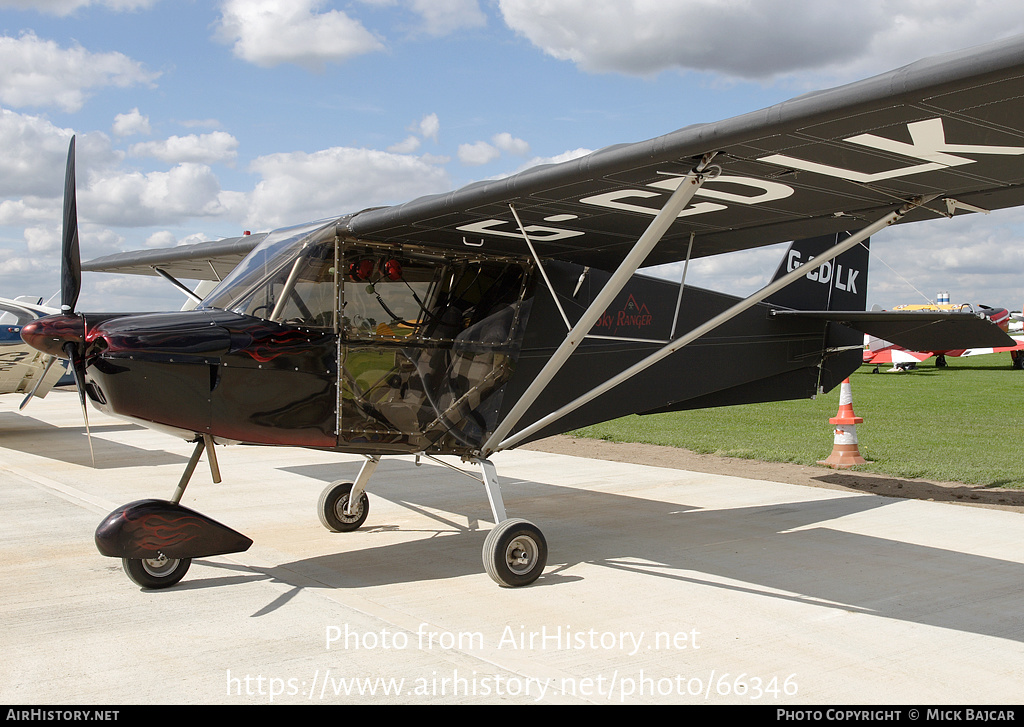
(839, 284)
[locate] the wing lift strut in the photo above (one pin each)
(500, 439)
(515, 551)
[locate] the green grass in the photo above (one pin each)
(959, 424)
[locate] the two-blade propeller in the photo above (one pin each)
(70, 286)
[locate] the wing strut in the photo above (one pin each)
(177, 284)
(710, 325)
(540, 266)
(651, 237)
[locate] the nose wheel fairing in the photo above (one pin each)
(151, 529)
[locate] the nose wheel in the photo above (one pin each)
(159, 572)
(515, 553)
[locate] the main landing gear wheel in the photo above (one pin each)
(331, 508)
(161, 572)
(515, 553)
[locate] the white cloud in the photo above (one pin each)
(163, 238)
(430, 127)
(482, 152)
(441, 17)
(35, 72)
(131, 123)
(166, 238)
(212, 148)
(435, 159)
(297, 186)
(426, 128)
(271, 32)
(976, 258)
(35, 152)
(407, 146)
(33, 164)
(510, 144)
(42, 240)
(759, 41)
(133, 199)
(477, 153)
(29, 211)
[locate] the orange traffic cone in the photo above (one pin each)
(845, 452)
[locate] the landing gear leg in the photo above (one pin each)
(204, 443)
(515, 551)
(161, 571)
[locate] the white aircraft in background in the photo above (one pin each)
(23, 369)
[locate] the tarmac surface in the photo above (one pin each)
(662, 585)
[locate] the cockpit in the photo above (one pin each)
(426, 338)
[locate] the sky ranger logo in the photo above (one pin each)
(633, 316)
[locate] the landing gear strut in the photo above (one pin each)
(515, 551)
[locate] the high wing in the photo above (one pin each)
(836, 160)
(948, 129)
(201, 261)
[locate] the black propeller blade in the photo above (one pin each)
(78, 370)
(71, 263)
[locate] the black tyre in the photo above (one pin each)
(515, 553)
(331, 508)
(156, 572)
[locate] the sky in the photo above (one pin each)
(199, 120)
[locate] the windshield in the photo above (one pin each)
(275, 261)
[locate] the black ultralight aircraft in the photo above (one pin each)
(471, 322)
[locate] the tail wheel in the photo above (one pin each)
(332, 506)
(515, 553)
(160, 572)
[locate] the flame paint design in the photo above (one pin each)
(267, 345)
(156, 532)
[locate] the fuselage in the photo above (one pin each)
(320, 341)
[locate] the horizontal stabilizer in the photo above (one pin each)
(918, 330)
